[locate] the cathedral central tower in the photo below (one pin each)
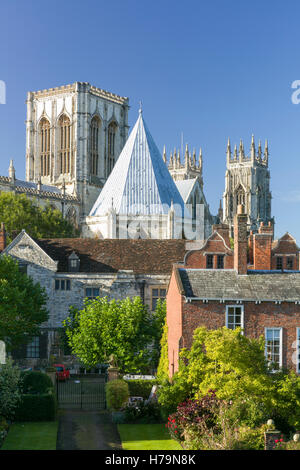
(74, 135)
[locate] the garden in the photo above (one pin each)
(225, 396)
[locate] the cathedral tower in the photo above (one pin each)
(247, 182)
(74, 135)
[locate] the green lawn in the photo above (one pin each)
(31, 436)
(146, 437)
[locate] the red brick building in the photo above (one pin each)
(255, 286)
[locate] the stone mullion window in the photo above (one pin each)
(94, 145)
(45, 147)
(65, 144)
(111, 145)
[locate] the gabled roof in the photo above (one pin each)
(222, 285)
(140, 183)
(286, 244)
(109, 256)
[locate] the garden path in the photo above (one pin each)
(87, 430)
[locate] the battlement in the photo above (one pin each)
(77, 87)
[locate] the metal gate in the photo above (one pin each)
(82, 393)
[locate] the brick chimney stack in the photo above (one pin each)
(2, 237)
(262, 247)
(240, 240)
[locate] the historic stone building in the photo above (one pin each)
(74, 135)
(247, 182)
(74, 269)
(42, 194)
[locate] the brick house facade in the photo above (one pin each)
(249, 291)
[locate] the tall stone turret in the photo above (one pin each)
(188, 169)
(247, 183)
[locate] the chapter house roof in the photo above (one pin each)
(140, 183)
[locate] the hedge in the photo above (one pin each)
(117, 394)
(36, 382)
(141, 388)
(41, 407)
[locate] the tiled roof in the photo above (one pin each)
(110, 256)
(228, 285)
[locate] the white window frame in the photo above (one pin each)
(242, 316)
(280, 329)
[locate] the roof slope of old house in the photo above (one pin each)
(109, 256)
(228, 285)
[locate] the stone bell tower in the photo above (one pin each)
(247, 183)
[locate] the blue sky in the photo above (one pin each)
(208, 69)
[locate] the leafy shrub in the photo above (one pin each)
(194, 416)
(212, 424)
(143, 413)
(290, 445)
(36, 382)
(117, 393)
(3, 430)
(10, 389)
(140, 388)
(35, 407)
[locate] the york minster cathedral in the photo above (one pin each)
(112, 183)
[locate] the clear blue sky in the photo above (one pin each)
(208, 69)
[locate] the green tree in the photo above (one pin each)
(234, 366)
(22, 305)
(158, 319)
(10, 389)
(227, 361)
(122, 328)
(19, 212)
(163, 365)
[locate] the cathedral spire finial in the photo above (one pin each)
(241, 151)
(228, 152)
(164, 154)
(200, 164)
(266, 153)
(259, 150)
(252, 148)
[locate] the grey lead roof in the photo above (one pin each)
(140, 183)
(228, 285)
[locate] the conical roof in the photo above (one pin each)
(140, 183)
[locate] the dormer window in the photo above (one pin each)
(73, 263)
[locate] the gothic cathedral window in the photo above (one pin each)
(64, 144)
(94, 145)
(45, 147)
(112, 128)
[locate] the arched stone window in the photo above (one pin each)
(71, 216)
(45, 147)
(94, 145)
(240, 196)
(112, 130)
(64, 152)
